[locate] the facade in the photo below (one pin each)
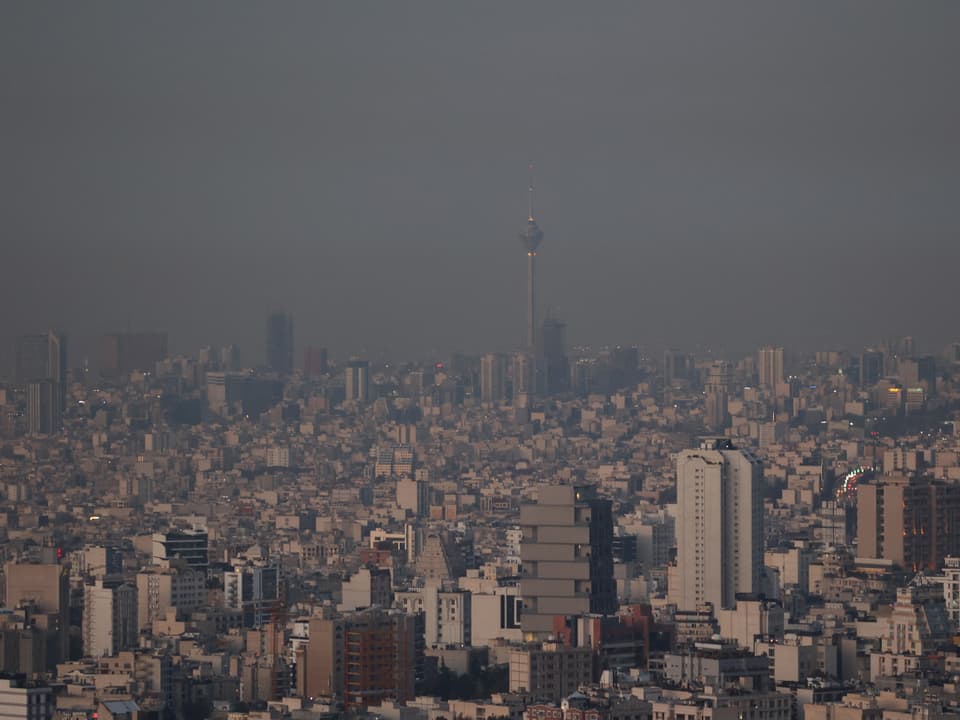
(357, 381)
(109, 618)
(122, 353)
(192, 547)
(567, 557)
(47, 588)
(915, 522)
(716, 415)
(550, 672)
(362, 657)
(41, 356)
(280, 342)
(253, 590)
(44, 407)
(20, 700)
(315, 362)
(719, 525)
(770, 367)
(160, 589)
(493, 378)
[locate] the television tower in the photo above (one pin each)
(531, 237)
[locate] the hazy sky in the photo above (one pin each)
(713, 172)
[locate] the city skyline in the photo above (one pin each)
(669, 162)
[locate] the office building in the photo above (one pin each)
(357, 381)
(550, 671)
(44, 407)
(567, 557)
(363, 657)
(493, 378)
(124, 353)
(770, 367)
(280, 343)
(719, 525)
(190, 546)
(109, 618)
(678, 368)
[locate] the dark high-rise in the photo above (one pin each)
(553, 370)
(280, 343)
(124, 353)
(42, 356)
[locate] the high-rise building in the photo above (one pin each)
(47, 588)
(280, 342)
(123, 353)
(871, 368)
(567, 557)
(43, 357)
(531, 237)
(314, 362)
(523, 377)
(913, 521)
(357, 381)
(175, 586)
(23, 699)
(44, 407)
(364, 657)
(254, 590)
(716, 414)
(192, 547)
(553, 369)
(677, 368)
(109, 618)
(770, 367)
(493, 378)
(719, 525)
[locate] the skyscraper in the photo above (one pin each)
(522, 375)
(42, 357)
(531, 237)
(567, 557)
(719, 525)
(280, 342)
(770, 366)
(493, 378)
(122, 353)
(553, 369)
(357, 381)
(44, 407)
(314, 361)
(716, 414)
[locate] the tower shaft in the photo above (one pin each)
(531, 301)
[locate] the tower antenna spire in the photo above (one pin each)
(530, 193)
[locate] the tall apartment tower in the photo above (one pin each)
(716, 415)
(524, 376)
(280, 342)
(44, 407)
(493, 378)
(109, 618)
(357, 381)
(567, 557)
(553, 369)
(719, 525)
(770, 366)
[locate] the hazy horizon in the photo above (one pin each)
(721, 175)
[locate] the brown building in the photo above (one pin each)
(46, 589)
(915, 522)
(122, 353)
(363, 657)
(314, 361)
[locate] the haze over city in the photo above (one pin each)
(716, 176)
(447, 361)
